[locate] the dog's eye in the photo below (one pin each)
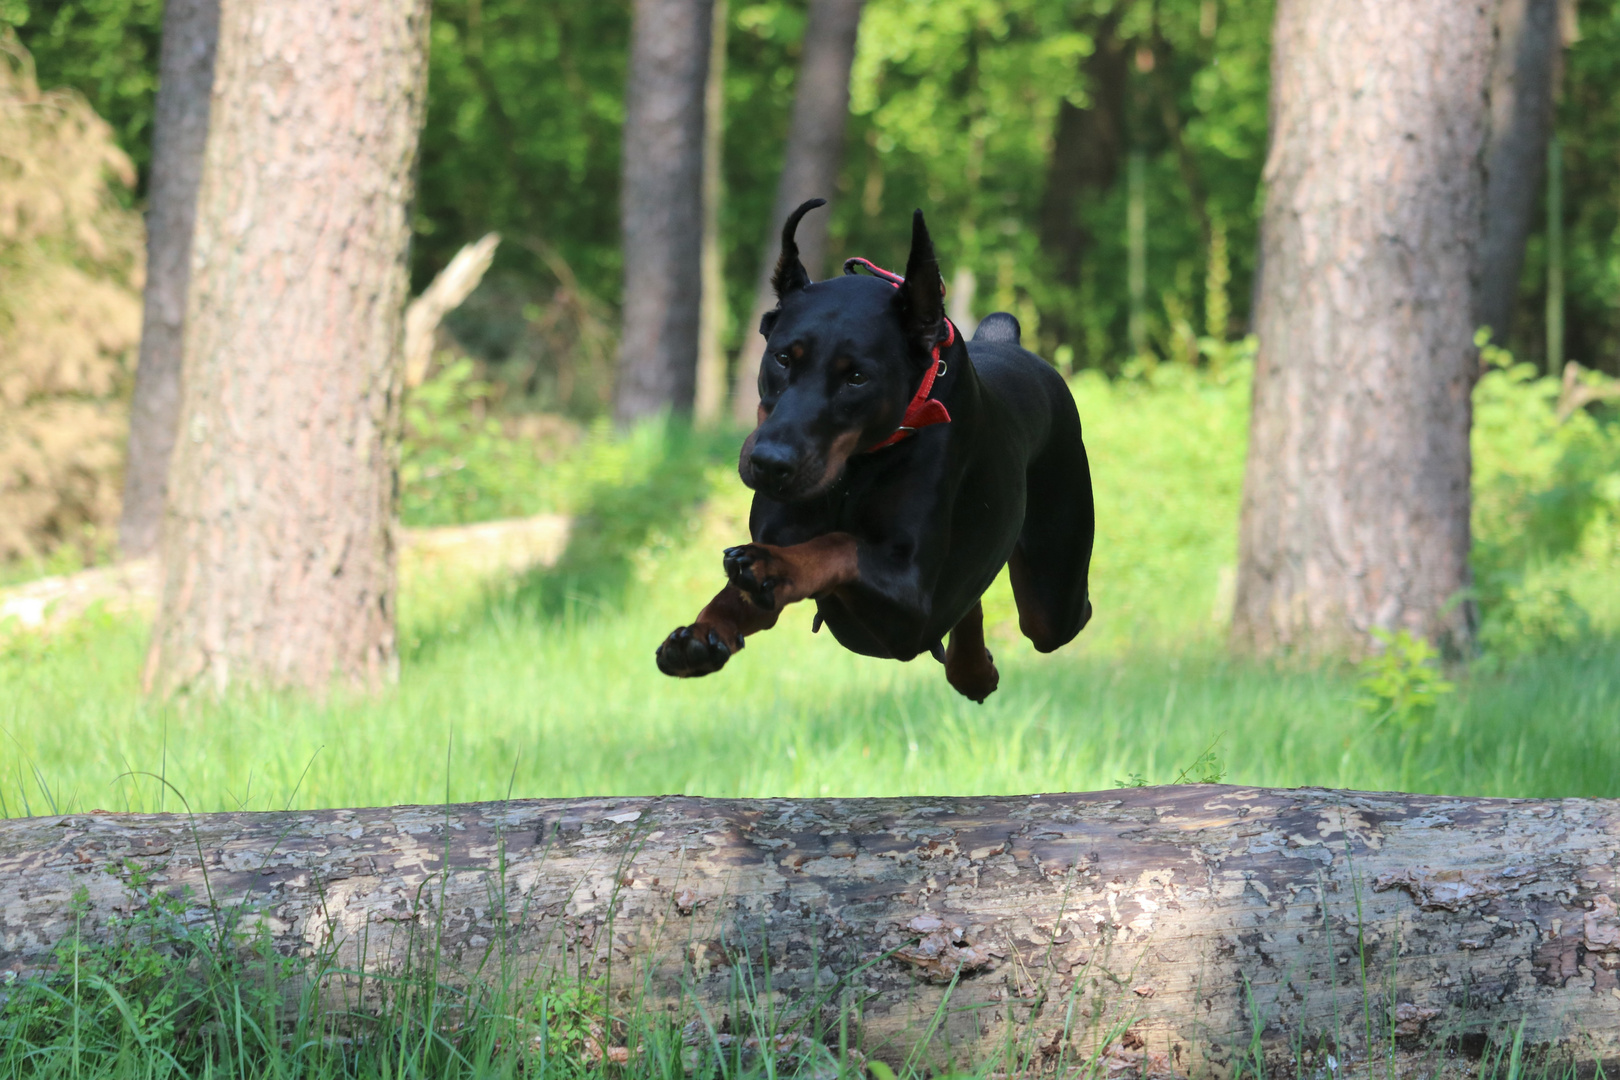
(782, 358)
(856, 378)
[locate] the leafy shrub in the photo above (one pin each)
(1546, 517)
(1401, 686)
(457, 463)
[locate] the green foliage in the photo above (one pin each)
(1546, 516)
(457, 465)
(525, 102)
(1401, 685)
(953, 110)
(1588, 125)
(955, 101)
(151, 987)
(1207, 768)
(105, 49)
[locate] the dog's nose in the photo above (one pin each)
(773, 465)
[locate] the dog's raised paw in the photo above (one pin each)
(691, 651)
(748, 567)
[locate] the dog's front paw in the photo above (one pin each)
(694, 650)
(754, 571)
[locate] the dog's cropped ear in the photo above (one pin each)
(790, 274)
(921, 299)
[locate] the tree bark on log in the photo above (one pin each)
(278, 541)
(1199, 918)
(1356, 493)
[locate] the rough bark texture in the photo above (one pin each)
(1356, 498)
(278, 547)
(179, 133)
(709, 403)
(1521, 88)
(663, 206)
(815, 153)
(1195, 915)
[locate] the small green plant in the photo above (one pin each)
(1207, 768)
(457, 464)
(1134, 779)
(1401, 686)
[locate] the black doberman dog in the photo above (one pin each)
(895, 517)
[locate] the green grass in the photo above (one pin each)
(546, 686)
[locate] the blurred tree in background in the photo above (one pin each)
(959, 106)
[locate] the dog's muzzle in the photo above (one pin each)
(773, 468)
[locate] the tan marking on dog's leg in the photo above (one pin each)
(732, 616)
(790, 574)
(715, 637)
(969, 666)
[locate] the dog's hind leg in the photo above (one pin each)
(717, 633)
(1050, 562)
(969, 667)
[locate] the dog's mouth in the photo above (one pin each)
(795, 477)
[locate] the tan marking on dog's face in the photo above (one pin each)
(838, 455)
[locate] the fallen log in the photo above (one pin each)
(483, 550)
(1206, 923)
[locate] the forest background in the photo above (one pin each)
(956, 105)
(969, 109)
(1060, 146)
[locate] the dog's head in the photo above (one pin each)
(842, 359)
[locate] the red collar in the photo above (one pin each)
(923, 411)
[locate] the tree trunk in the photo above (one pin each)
(1088, 146)
(709, 404)
(179, 132)
(663, 206)
(1521, 104)
(815, 153)
(1202, 918)
(1356, 497)
(278, 549)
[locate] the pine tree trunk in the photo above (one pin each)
(709, 403)
(1527, 43)
(1215, 924)
(1088, 148)
(1356, 498)
(179, 132)
(663, 206)
(278, 547)
(815, 153)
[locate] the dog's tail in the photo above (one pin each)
(1000, 327)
